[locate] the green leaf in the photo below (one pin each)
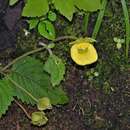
(33, 23)
(46, 29)
(35, 8)
(56, 68)
(30, 75)
(88, 5)
(6, 96)
(13, 2)
(52, 16)
(65, 7)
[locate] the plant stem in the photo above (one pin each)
(36, 50)
(65, 38)
(85, 23)
(22, 56)
(99, 19)
(24, 110)
(20, 87)
(127, 26)
(45, 45)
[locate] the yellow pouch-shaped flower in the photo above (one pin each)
(83, 52)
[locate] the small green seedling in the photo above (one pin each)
(118, 42)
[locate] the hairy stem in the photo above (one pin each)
(20, 57)
(36, 50)
(24, 110)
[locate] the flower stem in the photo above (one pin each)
(36, 50)
(24, 110)
(20, 57)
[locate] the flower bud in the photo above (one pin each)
(39, 118)
(44, 103)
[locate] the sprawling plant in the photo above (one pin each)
(33, 82)
(39, 83)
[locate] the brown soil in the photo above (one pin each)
(84, 101)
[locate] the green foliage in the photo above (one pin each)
(42, 10)
(6, 96)
(35, 8)
(29, 82)
(46, 29)
(56, 68)
(33, 23)
(88, 5)
(66, 8)
(34, 81)
(13, 2)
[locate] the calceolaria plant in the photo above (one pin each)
(41, 86)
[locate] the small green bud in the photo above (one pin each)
(44, 103)
(39, 118)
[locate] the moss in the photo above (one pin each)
(111, 60)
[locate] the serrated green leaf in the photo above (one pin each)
(13, 2)
(35, 8)
(58, 96)
(33, 23)
(56, 68)
(88, 5)
(6, 96)
(65, 7)
(46, 29)
(29, 74)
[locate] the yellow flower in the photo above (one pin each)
(83, 52)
